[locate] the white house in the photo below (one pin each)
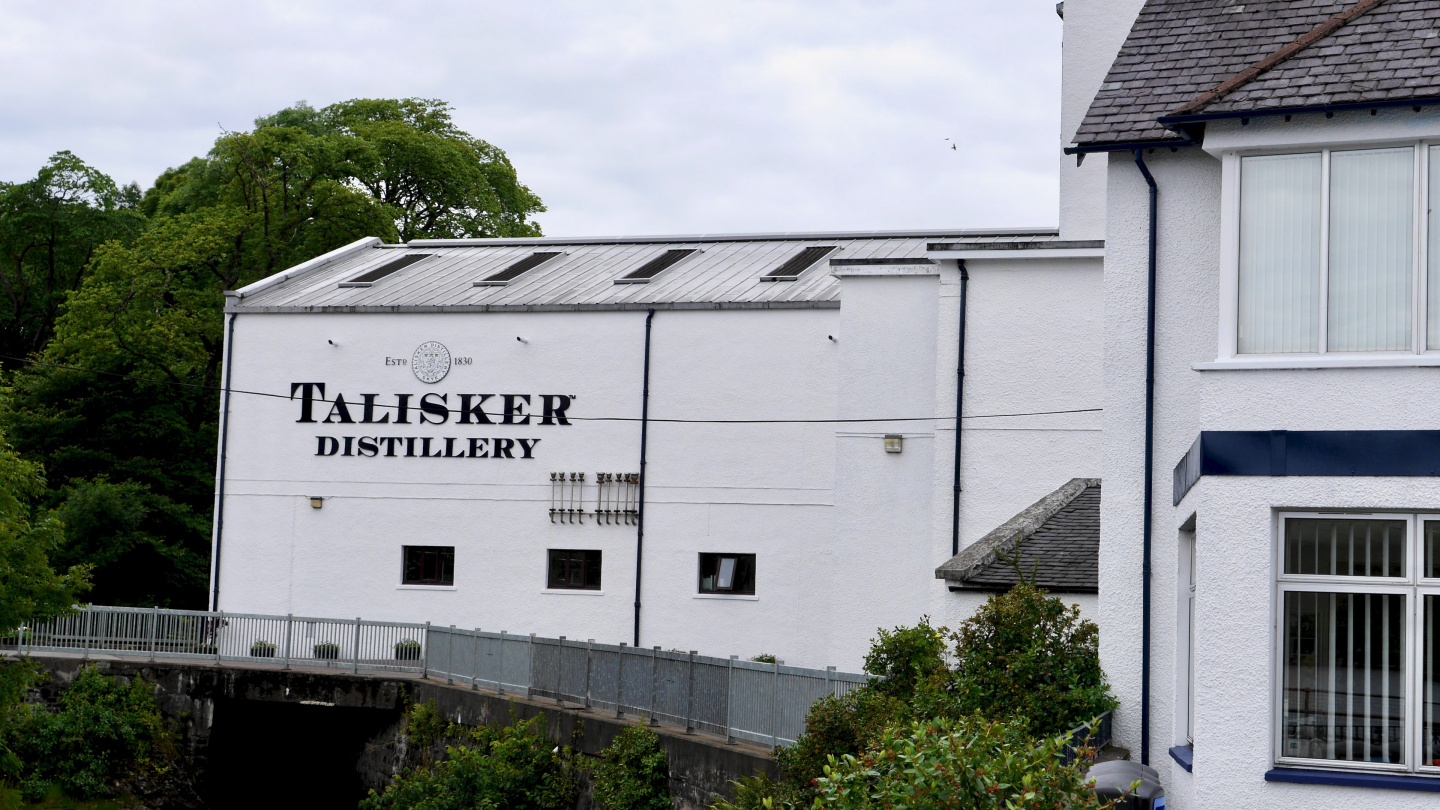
(738, 443)
(1268, 602)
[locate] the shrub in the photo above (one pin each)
(1027, 655)
(514, 768)
(101, 731)
(758, 792)
(633, 773)
(971, 763)
(764, 658)
(834, 727)
(905, 657)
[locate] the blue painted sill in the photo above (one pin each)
(1388, 781)
(1185, 755)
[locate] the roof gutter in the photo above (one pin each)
(1129, 146)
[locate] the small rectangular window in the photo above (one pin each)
(656, 266)
(371, 276)
(727, 573)
(429, 565)
(576, 569)
(512, 272)
(799, 263)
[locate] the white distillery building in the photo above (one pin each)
(739, 444)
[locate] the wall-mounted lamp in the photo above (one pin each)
(316, 501)
(331, 342)
(894, 442)
(522, 340)
(832, 339)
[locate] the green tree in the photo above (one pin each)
(972, 763)
(514, 768)
(1028, 655)
(122, 407)
(633, 773)
(29, 586)
(50, 227)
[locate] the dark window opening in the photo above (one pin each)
(799, 263)
(510, 273)
(655, 266)
(369, 277)
(577, 569)
(727, 573)
(429, 565)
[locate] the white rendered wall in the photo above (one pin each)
(1034, 343)
(760, 488)
(1232, 531)
(1094, 32)
(847, 536)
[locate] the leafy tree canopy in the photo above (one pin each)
(122, 407)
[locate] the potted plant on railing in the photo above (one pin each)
(262, 649)
(407, 649)
(327, 650)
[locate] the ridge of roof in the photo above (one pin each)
(988, 550)
(1314, 35)
(779, 236)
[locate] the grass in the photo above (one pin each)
(55, 800)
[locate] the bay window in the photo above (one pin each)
(1334, 252)
(1358, 602)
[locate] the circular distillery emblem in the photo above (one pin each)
(431, 362)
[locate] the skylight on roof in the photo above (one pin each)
(371, 276)
(799, 263)
(655, 266)
(510, 273)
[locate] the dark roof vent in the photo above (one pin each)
(799, 263)
(655, 266)
(370, 277)
(509, 274)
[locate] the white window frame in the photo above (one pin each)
(1413, 586)
(1185, 615)
(1229, 355)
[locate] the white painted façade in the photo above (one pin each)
(1266, 612)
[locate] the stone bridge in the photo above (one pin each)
(317, 737)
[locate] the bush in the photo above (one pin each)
(834, 727)
(905, 658)
(514, 768)
(971, 763)
(101, 731)
(633, 773)
(1027, 655)
(758, 792)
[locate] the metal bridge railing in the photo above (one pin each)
(742, 700)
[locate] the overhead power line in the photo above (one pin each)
(377, 405)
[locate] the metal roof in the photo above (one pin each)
(725, 273)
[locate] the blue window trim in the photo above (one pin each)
(1185, 755)
(1388, 781)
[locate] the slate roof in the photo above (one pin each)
(726, 271)
(1178, 50)
(1059, 542)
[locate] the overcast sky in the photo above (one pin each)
(684, 116)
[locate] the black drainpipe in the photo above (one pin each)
(1149, 465)
(224, 432)
(640, 507)
(959, 401)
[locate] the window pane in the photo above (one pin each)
(1371, 218)
(727, 573)
(574, 568)
(1434, 309)
(1344, 685)
(1431, 537)
(1280, 254)
(428, 565)
(1344, 547)
(1430, 713)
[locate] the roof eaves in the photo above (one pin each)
(1416, 103)
(305, 268)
